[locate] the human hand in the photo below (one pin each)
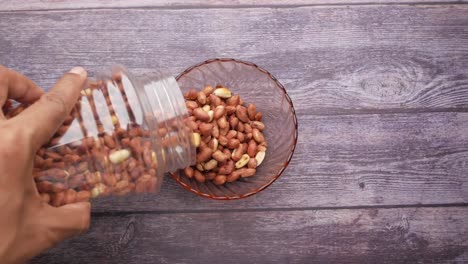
(29, 225)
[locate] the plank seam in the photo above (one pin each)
(285, 209)
(182, 7)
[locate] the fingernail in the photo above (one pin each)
(79, 71)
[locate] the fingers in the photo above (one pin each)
(14, 85)
(50, 225)
(47, 114)
(67, 221)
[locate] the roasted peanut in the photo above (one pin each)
(223, 123)
(233, 143)
(191, 104)
(242, 161)
(199, 176)
(234, 176)
(208, 90)
(241, 113)
(260, 157)
(233, 101)
(204, 154)
(252, 163)
(257, 136)
(222, 92)
(247, 172)
(206, 108)
(251, 111)
(195, 139)
(252, 148)
(119, 156)
(211, 164)
(258, 125)
(233, 121)
(201, 98)
(219, 156)
(230, 109)
(210, 175)
(258, 116)
(201, 115)
(189, 172)
(191, 95)
(219, 112)
(222, 140)
(219, 180)
(205, 129)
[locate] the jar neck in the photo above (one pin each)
(163, 110)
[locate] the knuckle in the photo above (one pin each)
(56, 101)
(14, 140)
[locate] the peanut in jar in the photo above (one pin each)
(121, 137)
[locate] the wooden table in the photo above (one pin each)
(381, 93)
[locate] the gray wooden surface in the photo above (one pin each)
(381, 93)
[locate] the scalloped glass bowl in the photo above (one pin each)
(257, 86)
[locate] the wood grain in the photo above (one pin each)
(10, 5)
(350, 160)
(405, 235)
(332, 60)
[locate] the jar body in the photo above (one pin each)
(121, 137)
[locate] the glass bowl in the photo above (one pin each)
(254, 85)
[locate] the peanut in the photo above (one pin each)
(252, 148)
(260, 157)
(258, 125)
(223, 123)
(252, 163)
(191, 104)
(206, 108)
(219, 180)
(257, 135)
(119, 156)
(234, 176)
(242, 161)
(211, 164)
(199, 176)
(208, 90)
(222, 92)
(233, 143)
(219, 112)
(247, 172)
(204, 154)
(189, 172)
(211, 115)
(230, 109)
(241, 113)
(205, 129)
(195, 139)
(201, 115)
(191, 95)
(251, 111)
(201, 98)
(258, 116)
(219, 156)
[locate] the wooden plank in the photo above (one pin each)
(408, 235)
(353, 160)
(332, 59)
(11, 5)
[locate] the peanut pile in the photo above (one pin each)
(228, 136)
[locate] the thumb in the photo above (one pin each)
(47, 114)
(68, 220)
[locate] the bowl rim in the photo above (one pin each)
(296, 134)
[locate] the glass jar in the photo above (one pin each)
(121, 137)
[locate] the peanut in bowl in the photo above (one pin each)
(258, 150)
